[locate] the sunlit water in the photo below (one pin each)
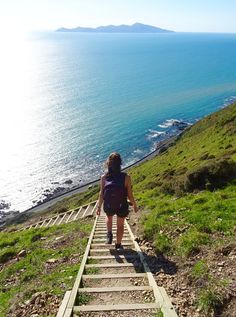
(68, 100)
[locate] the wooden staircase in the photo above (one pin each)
(87, 210)
(114, 280)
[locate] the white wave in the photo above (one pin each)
(169, 123)
(155, 134)
(137, 151)
(172, 123)
(228, 101)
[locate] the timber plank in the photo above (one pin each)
(90, 308)
(114, 289)
(115, 257)
(115, 276)
(104, 265)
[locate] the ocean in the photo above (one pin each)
(69, 99)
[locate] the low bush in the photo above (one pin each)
(6, 255)
(212, 175)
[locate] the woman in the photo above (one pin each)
(115, 188)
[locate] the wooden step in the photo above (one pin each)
(109, 265)
(49, 223)
(114, 289)
(114, 276)
(100, 240)
(93, 209)
(114, 237)
(95, 245)
(115, 257)
(91, 308)
(104, 234)
(104, 230)
(70, 218)
(86, 211)
(64, 218)
(55, 220)
(114, 227)
(78, 211)
(113, 250)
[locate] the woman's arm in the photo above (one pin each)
(130, 195)
(100, 198)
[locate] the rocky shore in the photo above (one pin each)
(6, 213)
(56, 191)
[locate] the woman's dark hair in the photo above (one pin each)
(113, 164)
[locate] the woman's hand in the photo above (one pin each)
(98, 211)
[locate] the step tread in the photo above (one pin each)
(108, 244)
(114, 289)
(100, 265)
(107, 257)
(108, 250)
(110, 276)
(138, 306)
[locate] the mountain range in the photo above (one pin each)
(135, 28)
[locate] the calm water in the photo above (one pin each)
(70, 99)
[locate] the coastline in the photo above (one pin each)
(60, 193)
(160, 148)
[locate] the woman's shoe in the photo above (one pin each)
(119, 246)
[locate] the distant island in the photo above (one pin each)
(135, 28)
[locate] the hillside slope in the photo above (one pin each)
(189, 197)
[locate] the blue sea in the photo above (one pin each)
(69, 99)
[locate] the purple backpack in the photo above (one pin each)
(114, 192)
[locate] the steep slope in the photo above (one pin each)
(189, 197)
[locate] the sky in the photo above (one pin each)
(177, 15)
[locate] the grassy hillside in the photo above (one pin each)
(189, 197)
(192, 184)
(37, 266)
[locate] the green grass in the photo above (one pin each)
(185, 224)
(200, 270)
(31, 274)
(209, 300)
(158, 314)
(212, 294)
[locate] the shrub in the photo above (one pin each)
(212, 175)
(6, 255)
(200, 200)
(8, 242)
(167, 188)
(152, 185)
